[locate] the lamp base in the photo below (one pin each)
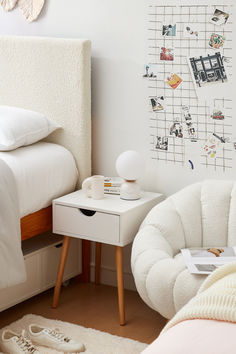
(130, 190)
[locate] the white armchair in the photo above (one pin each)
(201, 215)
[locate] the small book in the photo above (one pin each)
(112, 190)
(205, 260)
(113, 181)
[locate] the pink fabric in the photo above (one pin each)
(196, 337)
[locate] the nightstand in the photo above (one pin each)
(110, 220)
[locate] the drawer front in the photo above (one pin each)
(15, 294)
(96, 226)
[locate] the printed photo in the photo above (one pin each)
(174, 81)
(167, 54)
(162, 143)
(208, 69)
(176, 129)
(219, 17)
(211, 147)
(217, 114)
(216, 41)
(169, 30)
(157, 103)
(190, 31)
(150, 71)
(186, 113)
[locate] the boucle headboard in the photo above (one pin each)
(51, 76)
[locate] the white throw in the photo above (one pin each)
(216, 299)
(12, 267)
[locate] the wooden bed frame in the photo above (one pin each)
(41, 221)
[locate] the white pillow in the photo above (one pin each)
(20, 127)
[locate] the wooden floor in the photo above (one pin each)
(93, 306)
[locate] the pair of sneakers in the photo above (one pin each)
(13, 343)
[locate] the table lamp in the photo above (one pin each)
(130, 166)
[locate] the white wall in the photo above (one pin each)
(118, 31)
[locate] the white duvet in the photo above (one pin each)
(12, 268)
(30, 178)
(43, 172)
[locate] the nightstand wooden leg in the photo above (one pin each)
(98, 262)
(61, 267)
(120, 283)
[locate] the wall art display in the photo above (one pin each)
(216, 41)
(167, 54)
(217, 113)
(191, 46)
(173, 80)
(207, 70)
(176, 129)
(150, 71)
(190, 30)
(157, 103)
(169, 30)
(162, 143)
(219, 17)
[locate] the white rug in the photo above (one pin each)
(96, 342)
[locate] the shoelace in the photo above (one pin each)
(25, 344)
(59, 336)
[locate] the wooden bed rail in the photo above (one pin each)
(36, 223)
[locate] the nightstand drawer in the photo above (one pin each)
(86, 224)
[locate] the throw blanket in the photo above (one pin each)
(12, 268)
(215, 300)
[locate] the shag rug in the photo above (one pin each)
(96, 342)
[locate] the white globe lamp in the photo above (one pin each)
(130, 166)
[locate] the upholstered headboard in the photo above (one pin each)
(51, 76)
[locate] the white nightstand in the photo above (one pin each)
(110, 220)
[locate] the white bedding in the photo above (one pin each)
(12, 268)
(43, 171)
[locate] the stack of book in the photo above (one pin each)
(112, 185)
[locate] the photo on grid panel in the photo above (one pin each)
(219, 17)
(169, 30)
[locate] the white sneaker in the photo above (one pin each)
(13, 343)
(53, 339)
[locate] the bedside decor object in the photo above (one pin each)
(130, 165)
(94, 187)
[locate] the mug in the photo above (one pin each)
(94, 187)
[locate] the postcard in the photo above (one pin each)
(219, 17)
(169, 30)
(211, 146)
(167, 54)
(176, 129)
(150, 71)
(209, 75)
(216, 41)
(217, 113)
(158, 103)
(190, 30)
(162, 143)
(174, 81)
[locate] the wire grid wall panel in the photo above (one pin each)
(185, 94)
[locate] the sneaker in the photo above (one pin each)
(48, 337)
(13, 343)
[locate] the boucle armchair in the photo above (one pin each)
(201, 215)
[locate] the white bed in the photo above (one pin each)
(50, 76)
(43, 171)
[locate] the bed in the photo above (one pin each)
(50, 76)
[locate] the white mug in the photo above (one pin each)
(94, 187)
